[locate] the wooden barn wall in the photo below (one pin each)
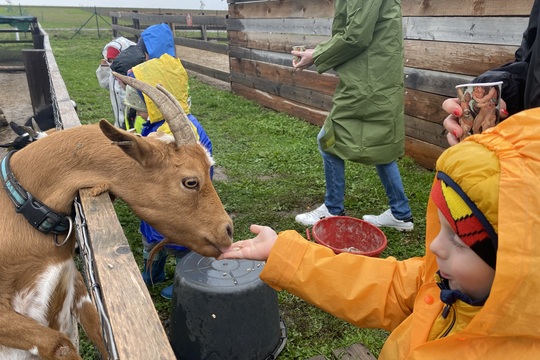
(444, 46)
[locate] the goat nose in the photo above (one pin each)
(230, 231)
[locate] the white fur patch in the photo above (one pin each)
(34, 302)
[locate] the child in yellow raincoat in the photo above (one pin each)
(475, 293)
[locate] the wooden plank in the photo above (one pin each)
(59, 92)
(305, 97)
(353, 352)
(265, 56)
(146, 18)
(277, 103)
(274, 42)
(204, 70)
(10, 68)
(425, 105)
(136, 325)
(422, 152)
(428, 131)
(479, 30)
(467, 8)
(126, 29)
(202, 45)
(319, 26)
(37, 77)
(283, 9)
(435, 82)
(461, 58)
(323, 83)
(492, 30)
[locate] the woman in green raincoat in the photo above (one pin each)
(365, 124)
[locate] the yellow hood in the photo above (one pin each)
(170, 73)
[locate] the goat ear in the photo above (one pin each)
(132, 145)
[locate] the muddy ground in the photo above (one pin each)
(14, 102)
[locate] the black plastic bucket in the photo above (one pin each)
(221, 310)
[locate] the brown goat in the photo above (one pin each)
(165, 183)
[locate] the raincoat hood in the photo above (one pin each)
(120, 44)
(158, 40)
(170, 73)
(511, 312)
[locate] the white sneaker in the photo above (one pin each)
(310, 218)
(386, 219)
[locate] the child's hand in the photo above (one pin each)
(257, 248)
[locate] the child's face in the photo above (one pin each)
(458, 263)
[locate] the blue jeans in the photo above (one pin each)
(334, 173)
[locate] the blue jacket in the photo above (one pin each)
(152, 235)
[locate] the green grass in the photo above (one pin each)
(273, 171)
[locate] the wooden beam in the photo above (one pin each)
(460, 58)
(467, 8)
(136, 326)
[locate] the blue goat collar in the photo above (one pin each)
(39, 215)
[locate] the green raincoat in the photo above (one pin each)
(366, 50)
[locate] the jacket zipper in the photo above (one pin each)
(444, 314)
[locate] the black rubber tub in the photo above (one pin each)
(221, 310)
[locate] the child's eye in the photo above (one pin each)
(456, 241)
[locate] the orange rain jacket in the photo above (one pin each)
(382, 293)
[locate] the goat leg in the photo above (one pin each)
(20, 332)
(87, 315)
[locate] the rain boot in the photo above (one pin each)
(154, 273)
(167, 293)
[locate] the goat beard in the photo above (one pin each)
(155, 251)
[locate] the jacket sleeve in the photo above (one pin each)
(103, 73)
(351, 41)
(364, 291)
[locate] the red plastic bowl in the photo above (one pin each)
(348, 234)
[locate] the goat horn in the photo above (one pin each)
(170, 108)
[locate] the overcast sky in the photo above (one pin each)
(164, 4)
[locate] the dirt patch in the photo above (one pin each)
(208, 59)
(15, 103)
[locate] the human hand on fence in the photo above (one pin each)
(451, 122)
(257, 248)
(306, 59)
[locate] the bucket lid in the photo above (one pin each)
(211, 273)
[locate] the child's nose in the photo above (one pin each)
(436, 247)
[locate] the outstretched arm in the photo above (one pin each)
(257, 248)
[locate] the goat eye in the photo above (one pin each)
(190, 183)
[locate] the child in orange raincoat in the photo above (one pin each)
(475, 293)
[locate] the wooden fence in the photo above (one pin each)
(444, 46)
(131, 319)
